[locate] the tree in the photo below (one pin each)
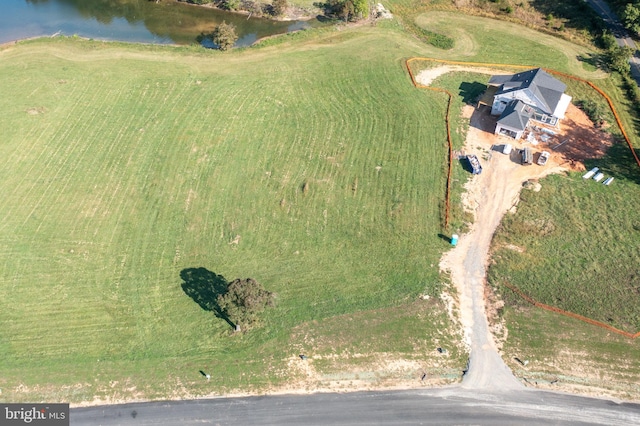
(631, 17)
(361, 8)
(619, 59)
(244, 301)
(348, 10)
(224, 36)
(230, 4)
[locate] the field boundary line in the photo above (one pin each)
(569, 314)
(409, 61)
(449, 143)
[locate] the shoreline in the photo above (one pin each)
(286, 18)
(294, 14)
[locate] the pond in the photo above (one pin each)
(140, 21)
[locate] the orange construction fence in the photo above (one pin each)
(490, 65)
(570, 314)
(448, 190)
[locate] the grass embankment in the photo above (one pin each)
(315, 169)
(575, 245)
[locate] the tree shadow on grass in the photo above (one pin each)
(596, 60)
(471, 92)
(204, 287)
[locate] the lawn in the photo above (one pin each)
(567, 354)
(575, 244)
(310, 164)
(315, 169)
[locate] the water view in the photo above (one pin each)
(142, 21)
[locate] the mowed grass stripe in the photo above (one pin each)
(49, 158)
(156, 173)
(81, 150)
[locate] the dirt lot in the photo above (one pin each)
(574, 141)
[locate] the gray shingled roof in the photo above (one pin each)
(546, 89)
(516, 115)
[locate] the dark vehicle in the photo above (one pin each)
(476, 168)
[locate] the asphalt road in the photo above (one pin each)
(445, 406)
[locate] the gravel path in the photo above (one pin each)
(489, 196)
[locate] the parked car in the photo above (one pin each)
(527, 156)
(544, 156)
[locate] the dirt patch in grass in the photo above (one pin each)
(574, 141)
(354, 352)
(36, 110)
(428, 75)
(563, 354)
(578, 140)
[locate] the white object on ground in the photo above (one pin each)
(590, 173)
(544, 156)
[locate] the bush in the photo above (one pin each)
(224, 36)
(618, 59)
(253, 7)
(230, 4)
(244, 301)
(440, 41)
(347, 10)
(595, 111)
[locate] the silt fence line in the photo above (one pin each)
(408, 63)
(569, 314)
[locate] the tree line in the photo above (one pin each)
(254, 8)
(225, 35)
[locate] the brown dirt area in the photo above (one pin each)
(575, 140)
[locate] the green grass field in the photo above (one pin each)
(316, 170)
(310, 164)
(579, 242)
